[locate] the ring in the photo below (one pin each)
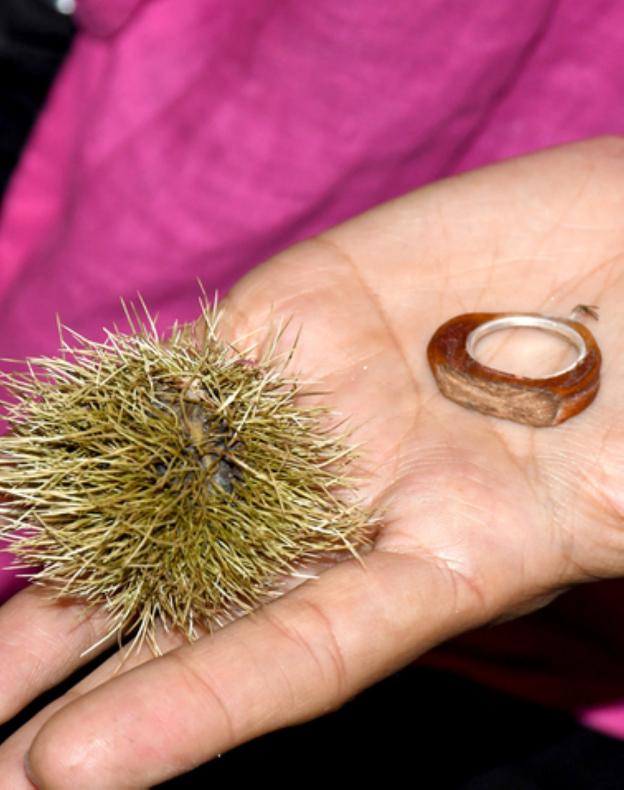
(544, 401)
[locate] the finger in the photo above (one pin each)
(295, 659)
(41, 642)
(13, 749)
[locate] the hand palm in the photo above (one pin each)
(464, 490)
(483, 518)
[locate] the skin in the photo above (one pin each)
(484, 519)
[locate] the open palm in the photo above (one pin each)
(483, 518)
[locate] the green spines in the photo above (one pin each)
(171, 482)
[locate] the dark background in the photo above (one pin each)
(33, 41)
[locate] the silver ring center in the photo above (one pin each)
(553, 325)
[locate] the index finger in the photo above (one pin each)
(295, 659)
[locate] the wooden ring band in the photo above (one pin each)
(544, 401)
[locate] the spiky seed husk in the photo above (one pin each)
(170, 482)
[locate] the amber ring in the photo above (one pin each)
(544, 401)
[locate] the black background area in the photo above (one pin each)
(34, 39)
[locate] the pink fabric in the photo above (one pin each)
(196, 138)
(105, 17)
(606, 718)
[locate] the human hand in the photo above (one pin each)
(483, 519)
